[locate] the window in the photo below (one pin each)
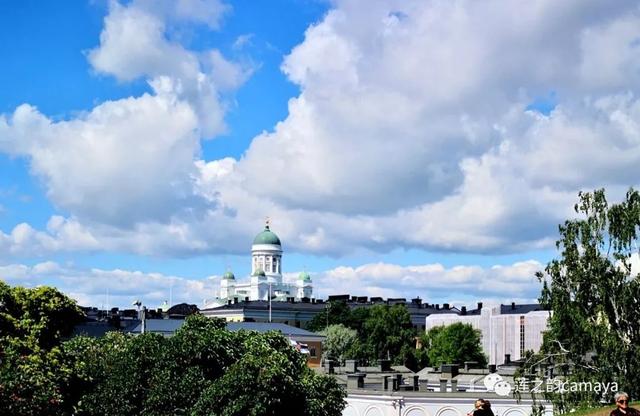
(312, 351)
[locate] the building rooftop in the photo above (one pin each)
(287, 330)
(160, 326)
(520, 309)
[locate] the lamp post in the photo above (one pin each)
(328, 309)
(269, 302)
(142, 315)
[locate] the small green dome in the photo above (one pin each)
(260, 273)
(304, 276)
(229, 276)
(266, 237)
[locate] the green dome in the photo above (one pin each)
(260, 273)
(304, 276)
(229, 276)
(266, 237)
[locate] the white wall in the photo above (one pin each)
(420, 405)
(500, 333)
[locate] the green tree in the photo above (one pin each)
(593, 290)
(334, 313)
(452, 344)
(202, 370)
(340, 343)
(42, 316)
(389, 333)
(33, 323)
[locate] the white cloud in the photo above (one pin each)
(131, 160)
(432, 282)
(134, 44)
(94, 287)
(125, 161)
(411, 130)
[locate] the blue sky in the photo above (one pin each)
(400, 149)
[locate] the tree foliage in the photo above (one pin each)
(202, 370)
(593, 289)
(335, 313)
(340, 343)
(33, 323)
(453, 344)
(383, 331)
(389, 333)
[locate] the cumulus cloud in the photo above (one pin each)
(131, 160)
(96, 287)
(134, 43)
(420, 127)
(434, 283)
(413, 128)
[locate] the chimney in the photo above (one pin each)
(246, 298)
(479, 305)
(445, 306)
(229, 302)
(437, 306)
(235, 300)
(513, 306)
(443, 385)
(507, 358)
(492, 368)
(385, 365)
(464, 310)
(355, 381)
(397, 382)
(385, 382)
(449, 369)
(468, 365)
(350, 366)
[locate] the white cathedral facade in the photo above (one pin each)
(266, 276)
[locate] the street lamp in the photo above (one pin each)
(327, 313)
(142, 315)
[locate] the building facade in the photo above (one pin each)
(507, 330)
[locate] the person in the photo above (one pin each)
(486, 407)
(482, 407)
(622, 406)
(477, 407)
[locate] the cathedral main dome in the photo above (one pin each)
(267, 237)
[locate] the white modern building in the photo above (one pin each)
(266, 276)
(506, 329)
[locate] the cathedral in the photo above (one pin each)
(266, 275)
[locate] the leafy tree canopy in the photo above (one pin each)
(593, 289)
(454, 343)
(202, 370)
(340, 343)
(389, 333)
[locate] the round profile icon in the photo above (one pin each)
(502, 388)
(491, 379)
